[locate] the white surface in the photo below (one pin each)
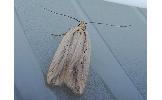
(6, 49)
(154, 50)
(137, 3)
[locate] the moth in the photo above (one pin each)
(70, 64)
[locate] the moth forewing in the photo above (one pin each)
(56, 65)
(70, 64)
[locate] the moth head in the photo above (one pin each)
(82, 24)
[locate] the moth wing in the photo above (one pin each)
(70, 64)
(78, 67)
(55, 70)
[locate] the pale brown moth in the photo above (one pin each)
(70, 64)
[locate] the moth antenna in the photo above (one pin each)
(58, 34)
(92, 22)
(111, 25)
(64, 15)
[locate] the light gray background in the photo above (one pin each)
(118, 59)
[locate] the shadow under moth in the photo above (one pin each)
(70, 64)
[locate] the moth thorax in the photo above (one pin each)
(82, 24)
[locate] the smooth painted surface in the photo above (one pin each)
(29, 80)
